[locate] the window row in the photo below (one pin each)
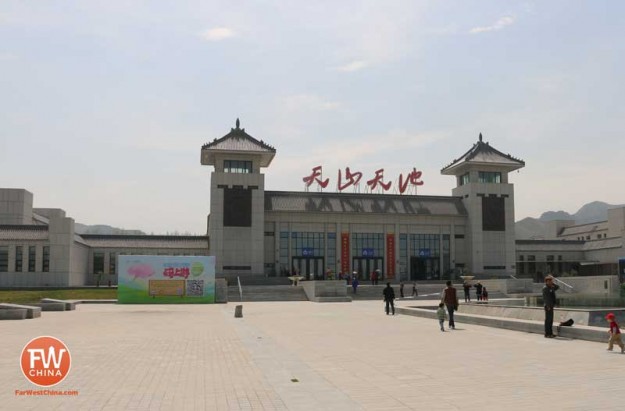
(99, 260)
(237, 166)
(30, 263)
(482, 177)
(599, 236)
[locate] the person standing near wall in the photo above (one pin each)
(549, 301)
(355, 284)
(467, 288)
(478, 291)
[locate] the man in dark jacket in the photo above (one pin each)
(450, 299)
(478, 291)
(389, 297)
(549, 301)
(467, 288)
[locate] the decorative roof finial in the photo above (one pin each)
(480, 134)
(238, 123)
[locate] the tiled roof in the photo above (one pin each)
(585, 228)
(616, 242)
(485, 154)
(78, 239)
(145, 241)
(363, 203)
(238, 140)
(23, 232)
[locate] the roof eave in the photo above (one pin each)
(457, 168)
(208, 156)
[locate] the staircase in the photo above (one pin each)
(267, 293)
(365, 292)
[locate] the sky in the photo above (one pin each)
(104, 106)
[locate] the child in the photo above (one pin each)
(615, 334)
(484, 294)
(441, 314)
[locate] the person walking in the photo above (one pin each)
(467, 287)
(415, 293)
(549, 301)
(450, 299)
(355, 284)
(615, 333)
(389, 298)
(401, 289)
(441, 315)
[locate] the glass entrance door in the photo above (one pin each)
(366, 265)
(310, 268)
(423, 269)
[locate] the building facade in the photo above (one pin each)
(321, 234)
(255, 232)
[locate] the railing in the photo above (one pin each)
(240, 289)
(570, 287)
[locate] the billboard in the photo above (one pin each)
(151, 279)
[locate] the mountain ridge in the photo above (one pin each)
(535, 228)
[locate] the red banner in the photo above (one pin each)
(345, 253)
(390, 256)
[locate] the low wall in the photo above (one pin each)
(325, 291)
(580, 332)
(591, 317)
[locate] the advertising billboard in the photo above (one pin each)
(151, 279)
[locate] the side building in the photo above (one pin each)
(40, 248)
(575, 249)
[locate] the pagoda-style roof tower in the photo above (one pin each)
(237, 141)
(482, 154)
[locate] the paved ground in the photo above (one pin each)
(304, 356)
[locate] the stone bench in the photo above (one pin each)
(50, 306)
(31, 311)
(68, 305)
(12, 313)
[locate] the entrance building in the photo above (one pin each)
(254, 232)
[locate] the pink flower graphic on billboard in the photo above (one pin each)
(141, 271)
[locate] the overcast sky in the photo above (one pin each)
(104, 106)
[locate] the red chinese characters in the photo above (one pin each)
(378, 179)
(352, 178)
(172, 272)
(413, 179)
(316, 177)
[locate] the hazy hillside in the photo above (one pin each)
(104, 229)
(534, 228)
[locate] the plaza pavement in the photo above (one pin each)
(304, 356)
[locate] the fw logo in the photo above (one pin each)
(45, 361)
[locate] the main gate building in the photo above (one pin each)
(315, 234)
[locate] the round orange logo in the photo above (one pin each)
(45, 361)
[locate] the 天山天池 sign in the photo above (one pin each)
(150, 279)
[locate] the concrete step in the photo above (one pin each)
(267, 293)
(425, 292)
